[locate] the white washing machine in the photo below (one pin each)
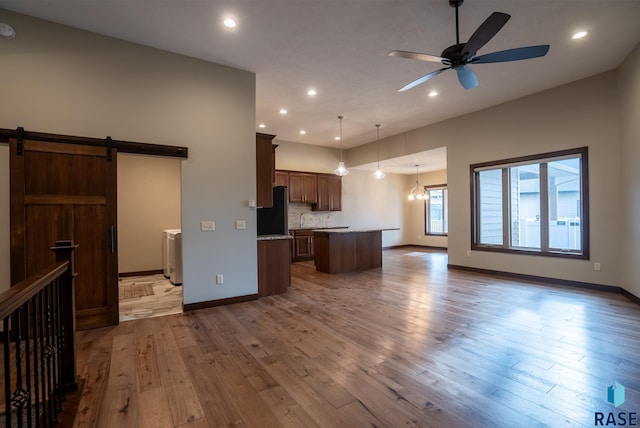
(175, 257)
(165, 250)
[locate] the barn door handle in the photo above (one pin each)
(112, 231)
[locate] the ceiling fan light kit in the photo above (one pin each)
(458, 56)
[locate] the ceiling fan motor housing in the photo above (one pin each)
(453, 54)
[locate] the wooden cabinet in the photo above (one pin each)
(302, 245)
(282, 178)
(322, 191)
(329, 193)
(265, 170)
(303, 187)
(274, 266)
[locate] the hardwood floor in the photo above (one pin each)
(408, 345)
(147, 296)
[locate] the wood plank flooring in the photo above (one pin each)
(408, 345)
(148, 296)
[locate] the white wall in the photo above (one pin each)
(148, 203)
(5, 258)
(367, 202)
(304, 157)
(72, 82)
(629, 92)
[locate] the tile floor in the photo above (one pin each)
(166, 298)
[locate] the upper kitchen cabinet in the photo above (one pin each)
(303, 187)
(329, 193)
(265, 170)
(282, 178)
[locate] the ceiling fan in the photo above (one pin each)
(458, 56)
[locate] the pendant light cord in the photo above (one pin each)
(378, 136)
(340, 117)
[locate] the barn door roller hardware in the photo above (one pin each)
(19, 139)
(109, 145)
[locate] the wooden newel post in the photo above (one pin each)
(64, 252)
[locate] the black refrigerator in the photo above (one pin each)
(274, 221)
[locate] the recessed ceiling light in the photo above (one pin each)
(262, 125)
(230, 23)
(303, 132)
(579, 35)
(7, 31)
(283, 111)
(311, 92)
(433, 93)
(337, 138)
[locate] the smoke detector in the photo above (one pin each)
(7, 31)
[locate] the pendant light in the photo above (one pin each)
(379, 175)
(341, 170)
(416, 191)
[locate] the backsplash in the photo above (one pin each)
(300, 215)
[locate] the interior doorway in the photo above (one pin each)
(148, 203)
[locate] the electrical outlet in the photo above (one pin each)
(240, 225)
(207, 226)
(468, 253)
(596, 266)
(219, 279)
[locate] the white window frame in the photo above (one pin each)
(445, 209)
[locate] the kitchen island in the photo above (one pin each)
(346, 250)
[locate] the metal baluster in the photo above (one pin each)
(16, 400)
(43, 377)
(36, 340)
(7, 373)
(48, 355)
(27, 351)
(59, 339)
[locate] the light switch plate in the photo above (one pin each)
(207, 226)
(240, 224)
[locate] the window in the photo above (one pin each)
(535, 204)
(435, 210)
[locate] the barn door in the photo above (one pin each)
(67, 192)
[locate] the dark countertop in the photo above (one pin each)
(273, 237)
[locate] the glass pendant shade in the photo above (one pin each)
(379, 175)
(341, 170)
(418, 192)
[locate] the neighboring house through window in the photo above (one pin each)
(435, 210)
(535, 204)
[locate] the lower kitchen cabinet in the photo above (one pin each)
(274, 266)
(302, 245)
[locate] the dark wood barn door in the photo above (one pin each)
(67, 192)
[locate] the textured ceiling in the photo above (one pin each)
(340, 49)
